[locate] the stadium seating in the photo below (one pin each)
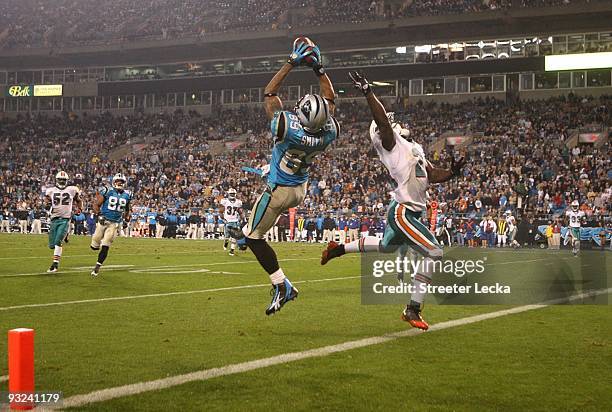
(518, 158)
(36, 23)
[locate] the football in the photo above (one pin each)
(303, 39)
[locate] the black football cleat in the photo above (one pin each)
(53, 268)
(96, 271)
(333, 250)
(281, 294)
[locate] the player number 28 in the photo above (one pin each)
(115, 203)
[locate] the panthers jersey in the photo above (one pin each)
(115, 203)
(406, 164)
(232, 208)
(574, 217)
(61, 200)
(295, 148)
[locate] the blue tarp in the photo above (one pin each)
(586, 233)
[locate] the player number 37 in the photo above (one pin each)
(115, 203)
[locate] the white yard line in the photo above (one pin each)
(80, 270)
(155, 295)
(159, 384)
(94, 254)
(3, 378)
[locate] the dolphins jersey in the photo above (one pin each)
(574, 217)
(406, 164)
(61, 200)
(232, 207)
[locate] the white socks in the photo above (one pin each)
(277, 277)
(365, 244)
(57, 253)
(421, 280)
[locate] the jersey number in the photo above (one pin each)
(64, 200)
(297, 161)
(116, 203)
(231, 210)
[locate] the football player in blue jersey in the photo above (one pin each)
(112, 205)
(299, 136)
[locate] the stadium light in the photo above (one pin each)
(578, 61)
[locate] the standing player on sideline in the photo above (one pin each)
(59, 201)
(232, 211)
(112, 205)
(299, 136)
(574, 217)
(406, 163)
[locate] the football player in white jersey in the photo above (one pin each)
(59, 200)
(232, 212)
(406, 163)
(574, 217)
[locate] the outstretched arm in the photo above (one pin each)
(378, 110)
(325, 85)
(439, 175)
(272, 102)
(327, 91)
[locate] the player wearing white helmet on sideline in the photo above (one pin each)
(60, 199)
(574, 217)
(232, 214)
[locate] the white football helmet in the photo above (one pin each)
(313, 112)
(575, 205)
(231, 194)
(119, 181)
(61, 179)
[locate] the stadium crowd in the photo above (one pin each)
(37, 23)
(180, 164)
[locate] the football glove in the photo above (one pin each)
(298, 54)
(316, 62)
(457, 165)
(360, 82)
(101, 220)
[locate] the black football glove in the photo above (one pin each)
(360, 82)
(457, 165)
(317, 61)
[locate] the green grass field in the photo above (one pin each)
(183, 306)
